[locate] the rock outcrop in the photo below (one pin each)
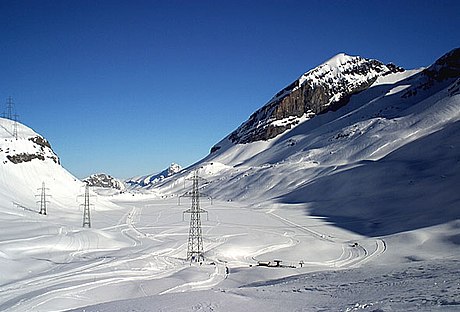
(326, 87)
(104, 180)
(446, 67)
(24, 150)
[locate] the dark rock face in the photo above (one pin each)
(215, 149)
(327, 87)
(446, 67)
(40, 141)
(23, 157)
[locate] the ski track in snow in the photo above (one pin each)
(82, 279)
(350, 256)
(93, 269)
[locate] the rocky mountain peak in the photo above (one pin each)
(326, 87)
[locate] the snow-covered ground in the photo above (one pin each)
(139, 252)
(359, 206)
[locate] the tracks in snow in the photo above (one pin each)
(353, 254)
(89, 269)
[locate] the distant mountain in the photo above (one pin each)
(152, 179)
(105, 181)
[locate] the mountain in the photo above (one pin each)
(385, 160)
(105, 181)
(324, 88)
(152, 179)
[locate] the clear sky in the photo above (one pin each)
(127, 87)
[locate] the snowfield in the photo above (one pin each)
(352, 210)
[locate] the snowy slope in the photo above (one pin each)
(27, 162)
(32, 245)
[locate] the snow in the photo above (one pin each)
(360, 206)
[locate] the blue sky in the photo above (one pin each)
(127, 87)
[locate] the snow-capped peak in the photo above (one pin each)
(323, 88)
(338, 60)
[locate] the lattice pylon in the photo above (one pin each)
(15, 126)
(86, 208)
(195, 250)
(43, 199)
(9, 108)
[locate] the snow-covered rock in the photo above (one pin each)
(105, 181)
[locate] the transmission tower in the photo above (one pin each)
(15, 126)
(9, 108)
(86, 208)
(10, 114)
(43, 199)
(195, 237)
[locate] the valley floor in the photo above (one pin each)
(138, 253)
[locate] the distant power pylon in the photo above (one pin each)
(9, 108)
(86, 208)
(43, 199)
(15, 126)
(10, 114)
(195, 236)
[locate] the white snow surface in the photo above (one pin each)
(361, 206)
